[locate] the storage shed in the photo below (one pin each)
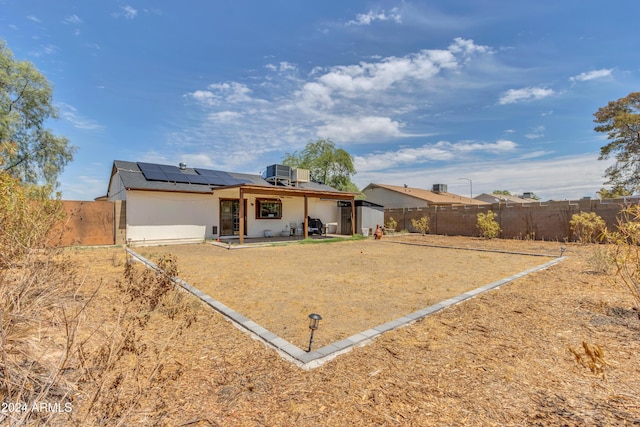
(367, 216)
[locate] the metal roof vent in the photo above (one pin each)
(183, 166)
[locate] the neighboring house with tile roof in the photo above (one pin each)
(495, 198)
(396, 197)
(170, 204)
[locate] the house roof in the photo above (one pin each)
(503, 197)
(133, 178)
(432, 197)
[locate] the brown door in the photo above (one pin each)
(230, 217)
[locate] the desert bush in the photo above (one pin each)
(626, 251)
(35, 301)
(487, 225)
(125, 365)
(38, 305)
(391, 224)
(421, 225)
(28, 213)
(51, 350)
(600, 260)
(588, 227)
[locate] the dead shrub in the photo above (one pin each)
(626, 251)
(593, 358)
(51, 353)
(125, 365)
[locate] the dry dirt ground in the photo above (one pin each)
(354, 285)
(511, 356)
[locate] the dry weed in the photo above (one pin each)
(593, 358)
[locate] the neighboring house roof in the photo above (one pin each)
(434, 198)
(133, 178)
(491, 198)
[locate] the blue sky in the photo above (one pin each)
(501, 93)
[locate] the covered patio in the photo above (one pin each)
(295, 192)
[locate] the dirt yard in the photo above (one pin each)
(354, 285)
(512, 356)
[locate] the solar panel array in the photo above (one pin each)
(219, 177)
(166, 173)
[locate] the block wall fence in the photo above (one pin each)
(104, 223)
(536, 221)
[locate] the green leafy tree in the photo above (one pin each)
(326, 163)
(614, 192)
(28, 150)
(502, 192)
(620, 120)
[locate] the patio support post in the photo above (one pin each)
(353, 217)
(306, 215)
(241, 219)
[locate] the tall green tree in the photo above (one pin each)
(613, 192)
(620, 120)
(28, 150)
(326, 163)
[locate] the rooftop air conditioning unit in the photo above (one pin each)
(278, 174)
(300, 175)
(439, 188)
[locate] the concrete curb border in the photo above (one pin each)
(313, 359)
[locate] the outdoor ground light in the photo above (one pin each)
(314, 320)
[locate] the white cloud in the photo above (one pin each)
(536, 133)
(468, 47)
(73, 19)
(70, 113)
(368, 79)
(360, 128)
(441, 151)
(219, 93)
(592, 75)
(371, 16)
(525, 94)
(570, 177)
(225, 116)
(282, 67)
(33, 18)
(48, 49)
(128, 12)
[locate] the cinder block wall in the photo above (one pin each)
(539, 221)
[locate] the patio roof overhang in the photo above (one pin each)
(304, 193)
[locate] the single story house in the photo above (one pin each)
(504, 198)
(400, 197)
(174, 204)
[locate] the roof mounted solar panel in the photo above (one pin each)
(196, 179)
(154, 175)
(148, 166)
(169, 169)
(177, 177)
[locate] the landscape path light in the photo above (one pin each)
(314, 320)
